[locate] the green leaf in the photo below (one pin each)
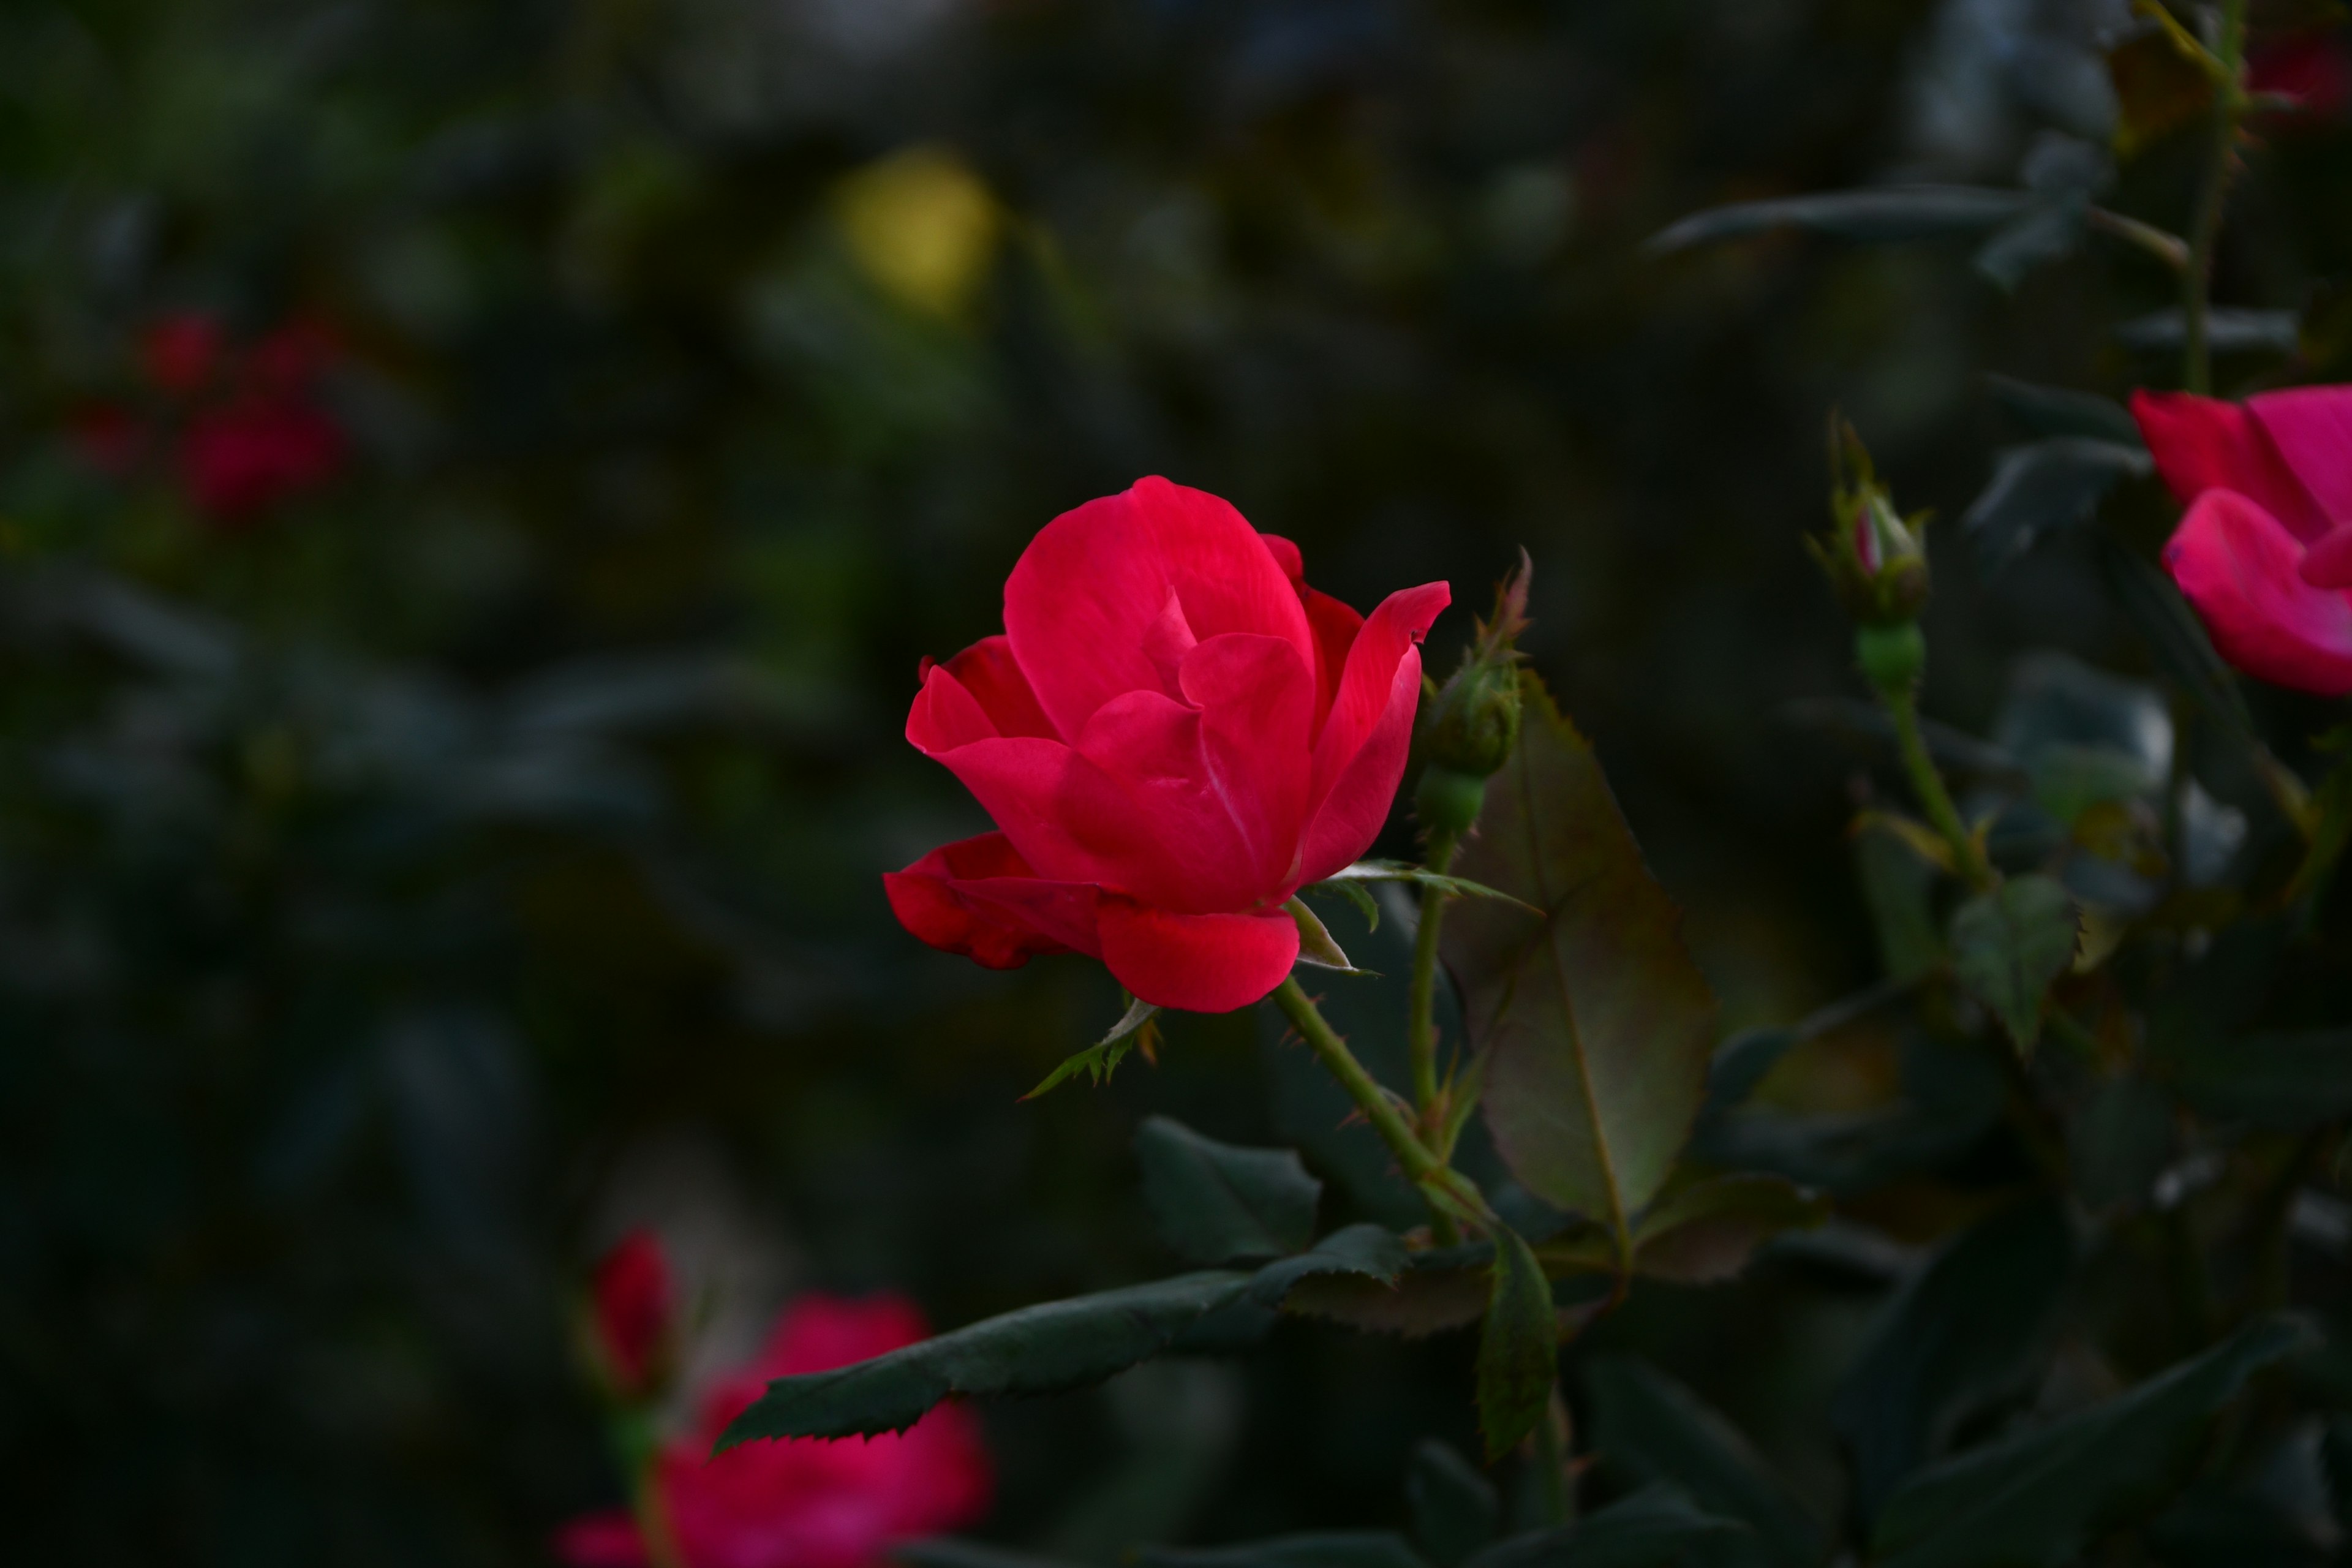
(1742, 1062)
(1653, 1528)
(1098, 1060)
(2056, 411)
(1349, 880)
(1650, 1427)
(2048, 485)
(1316, 945)
(1894, 213)
(946, 1551)
(2226, 331)
(1952, 1097)
(2284, 1078)
(2041, 1499)
(1365, 1252)
(1325, 1549)
(1519, 1348)
(1356, 894)
(1437, 1291)
(1596, 1023)
(1042, 1349)
(1217, 1204)
(2009, 944)
(2043, 233)
(2119, 1142)
(1964, 1331)
(1705, 1233)
(1454, 1509)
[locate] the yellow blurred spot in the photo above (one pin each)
(922, 226)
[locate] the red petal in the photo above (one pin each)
(2202, 443)
(2327, 563)
(988, 670)
(1201, 964)
(604, 1539)
(2242, 570)
(1352, 813)
(1364, 694)
(1335, 626)
(978, 898)
(1181, 844)
(1092, 583)
(2311, 429)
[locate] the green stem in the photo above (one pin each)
(1967, 857)
(2167, 248)
(1547, 1458)
(2205, 228)
(1451, 1194)
(1421, 1017)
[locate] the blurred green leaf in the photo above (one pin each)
(1596, 1023)
(2009, 944)
(1653, 1528)
(1898, 887)
(1519, 1348)
(1650, 1427)
(1742, 1062)
(2175, 638)
(2040, 1499)
(2228, 329)
(1967, 1329)
(1900, 212)
(1042, 1349)
(946, 1551)
(1455, 1509)
(2047, 485)
(1328, 1549)
(1951, 1096)
(2285, 1079)
(2052, 411)
(1705, 1233)
(2119, 1142)
(1217, 1204)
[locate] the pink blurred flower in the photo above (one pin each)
(633, 1311)
(2265, 551)
(806, 1502)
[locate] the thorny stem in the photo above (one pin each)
(2205, 229)
(1421, 1017)
(1967, 856)
(1450, 1195)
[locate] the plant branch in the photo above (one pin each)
(1927, 784)
(2162, 244)
(1421, 1020)
(1451, 1194)
(2205, 229)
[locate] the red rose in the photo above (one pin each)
(1174, 735)
(633, 1311)
(180, 353)
(804, 1502)
(2265, 551)
(247, 455)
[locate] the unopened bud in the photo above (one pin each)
(1472, 722)
(1446, 802)
(1873, 556)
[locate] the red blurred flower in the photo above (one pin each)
(242, 457)
(2309, 67)
(803, 1502)
(633, 1312)
(2265, 551)
(180, 353)
(1173, 735)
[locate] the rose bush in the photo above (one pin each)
(2265, 551)
(1173, 734)
(809, 1503)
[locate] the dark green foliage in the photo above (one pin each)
(2009, 944)
(1519, 1354)
(1596, 1023)
(1647, 1425)
(1455, 1509)
(1965, 1330)
(1655, 1528)
(1215, 1203)
(2298, 1080)
(2039, 1499)
(1332, 1548)
(2052, 484)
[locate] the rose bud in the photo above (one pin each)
(1874, 558)
(632, 1317)
(1473, 720)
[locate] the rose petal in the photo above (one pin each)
(1357, 807)
(2242, 571)
(1082, 596)
(1336, 626)
(988, 670)
(978, 896)
(2311, 429)
(2327, 563)
(1258, 708)
(1180, 844)
(2202, 443)
(1201, 964)
(606, 1538)
(1363, 698)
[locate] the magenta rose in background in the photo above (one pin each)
(2265, 551)
(1173, 735)
(806, 1502)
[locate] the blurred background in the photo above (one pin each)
(477, 481)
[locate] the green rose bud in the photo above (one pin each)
(1447, 802)
(1873, 556)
